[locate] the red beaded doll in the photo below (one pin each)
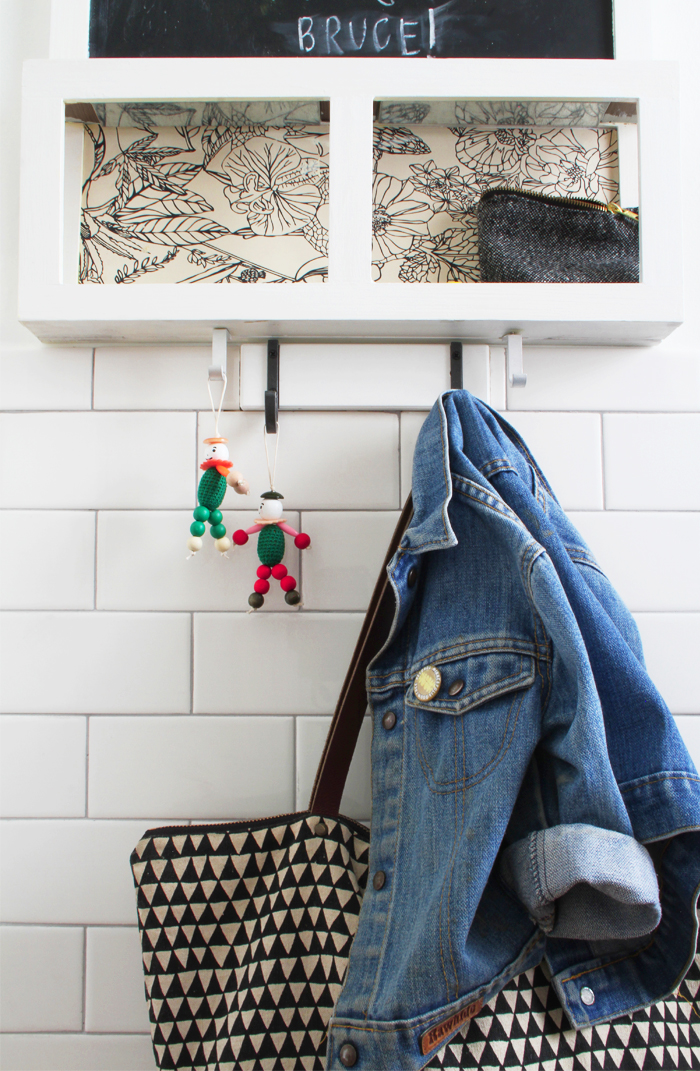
(271, 527)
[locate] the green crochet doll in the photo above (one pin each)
(271, 528)
(218, 475)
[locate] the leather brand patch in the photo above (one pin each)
(434, 1037)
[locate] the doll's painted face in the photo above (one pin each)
(270, 509)
(217, 450)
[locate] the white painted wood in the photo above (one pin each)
(349, 305)
(70, 28)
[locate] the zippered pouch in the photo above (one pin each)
(526, 237)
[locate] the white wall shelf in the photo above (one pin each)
(349, 305)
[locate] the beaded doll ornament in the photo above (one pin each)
(271, 529)
(218, 474)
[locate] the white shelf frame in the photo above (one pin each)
(349, 305)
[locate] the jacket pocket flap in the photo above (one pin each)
(470, 680)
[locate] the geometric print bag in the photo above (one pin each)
(246, 930)
(246, 927)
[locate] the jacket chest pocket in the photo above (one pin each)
(465, 711)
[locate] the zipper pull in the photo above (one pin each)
(617, 211)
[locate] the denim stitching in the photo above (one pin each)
(524, 676)
(500, 755)
(460, 780)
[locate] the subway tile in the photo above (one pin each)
(95, 663)
(341, 566)
(160, 377)
(652, 462)
(46, 377)
(411, 423)
(689, 727)
(98, 460)
(223, 768)
(326, 460)
(567, 447)
(41, 978)
(76, 1052)
(42, 766)
(650, 558)
(115, 999)
(497, 377)
(47, 561)
(256, 664)
(365, 375)
(72, 871)
(143, 563)
(626, 378)
(671, 644)
(311, 737)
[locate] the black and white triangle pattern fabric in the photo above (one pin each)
(246, 930)
(524, 1027)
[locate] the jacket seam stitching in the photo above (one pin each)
(496, 761)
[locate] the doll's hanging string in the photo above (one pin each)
(217, 412)
(271, 471)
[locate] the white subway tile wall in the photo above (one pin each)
(135, 683)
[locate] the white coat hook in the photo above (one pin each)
(219, 355)
(514, 360)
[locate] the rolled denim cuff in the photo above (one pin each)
(583, 882)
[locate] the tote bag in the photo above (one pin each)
(246, 930)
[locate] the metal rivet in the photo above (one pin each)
(587, 996)
(427, 683)
(456, 687)
(348, 1055)
(389, 720)
(412, 576)
(321, 829)
(379, 880)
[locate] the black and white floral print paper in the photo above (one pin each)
(428, 181)
(207, 204)
(228, 203)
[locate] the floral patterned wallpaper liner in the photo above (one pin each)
(249, 203)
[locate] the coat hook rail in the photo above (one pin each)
(273, 386)
(514, 359)
(456, 366)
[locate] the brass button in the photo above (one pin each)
(348, 1055)
(412, 576)
(379, 880)
(456, 687)
(389, 720)
(321, 829)
(427, 683)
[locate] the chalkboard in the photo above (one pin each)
(345, 28)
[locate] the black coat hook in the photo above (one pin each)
(273, 386)
(456, 366)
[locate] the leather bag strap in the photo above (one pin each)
(352, 703)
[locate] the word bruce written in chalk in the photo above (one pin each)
(392, 35)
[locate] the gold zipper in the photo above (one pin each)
(571, 202)
(246, 823)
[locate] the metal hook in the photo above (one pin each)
(514, 359)
(273, 386)
(456, 366)
(219, 355)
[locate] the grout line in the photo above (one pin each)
(602, 463)
(94, 566)
(87, 765)
(92, 380)
(84, 978)
(295, 784)
(192, 663)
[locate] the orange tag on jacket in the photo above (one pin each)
(435, 1036)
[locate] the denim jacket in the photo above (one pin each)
(531, 795)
